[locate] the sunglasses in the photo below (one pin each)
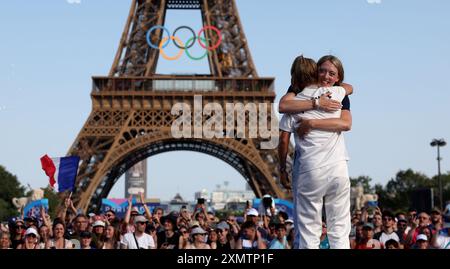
(184, 232)
(387, 218)
(109, 215)
(219, 231)
(141, 223)
(19, 227)
(31, 235)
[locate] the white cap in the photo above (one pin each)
(31, 231)
(289, 221)
(422, 237)
(252, 212)
(98, 223)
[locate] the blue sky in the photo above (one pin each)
(395, 53)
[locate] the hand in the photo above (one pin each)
(304, 129)
(142, 198)
(327, 104)
(130, 200)
(67, 203)
(284, 180)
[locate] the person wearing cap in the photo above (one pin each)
(86, 240)
(198, 239)
(253, 216)
(138, 239)
(441, 238)
(367, 240)
(18, 234)
(402, 225)
(31, 240)
(422, 242)
(388, 232)
(225, 239)
(97, 233)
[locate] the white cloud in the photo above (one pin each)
(72, 2)
(374, 2)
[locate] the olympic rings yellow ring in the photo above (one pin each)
(161, 49)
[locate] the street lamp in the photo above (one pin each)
(439, 143)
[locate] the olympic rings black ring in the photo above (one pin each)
(188, 46)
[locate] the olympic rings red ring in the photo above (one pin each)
(218, 34)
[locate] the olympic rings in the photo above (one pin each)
(189, 44)
(161, 49)
(218, 34)
(150, 32)
(193, 34)
(196, 58)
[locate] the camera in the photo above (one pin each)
(200, 201)
(267, 202)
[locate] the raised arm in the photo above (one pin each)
(342, 124)
(288, 104)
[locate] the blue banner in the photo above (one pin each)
(120, 206)
(280, 205)
(33, 209)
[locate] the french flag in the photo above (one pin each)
(62, 172)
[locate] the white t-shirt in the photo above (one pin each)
(318, 148)
(145, 241)
(443, 242)
(386, 237)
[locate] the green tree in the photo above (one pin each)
(398, 191)
(365, 182)
(445, 188)
(9, 188)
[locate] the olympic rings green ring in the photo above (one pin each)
(192, 39)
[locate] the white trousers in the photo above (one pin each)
(329, 186)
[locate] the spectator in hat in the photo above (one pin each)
(111, 238)
(388, 232)
(97, 234)
(280, 241)
(5, 241)
(18, 234)
(441, 238)
(86, 240)
(250, 237)
(289, 225)
(402, 225)
(31, 222)
(138, 239)
(31, 239)
(198, 239)
(367, 240)
(435, 217)
(225, 238)
(421, 242)
(253, 216)
(169, 238)
(58, 241)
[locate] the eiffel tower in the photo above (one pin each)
(131, 108)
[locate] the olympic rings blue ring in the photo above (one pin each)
(196, 58)
(193, 34)
(150, 32)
